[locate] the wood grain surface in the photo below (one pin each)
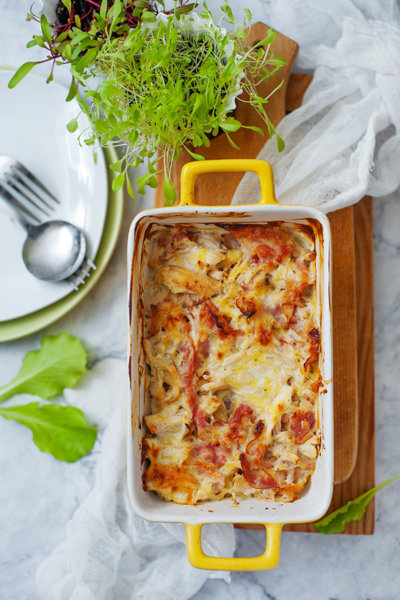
(343, 318)
(352, 300)
(363, 475)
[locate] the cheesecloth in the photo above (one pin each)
(344, 141)
(109, 553)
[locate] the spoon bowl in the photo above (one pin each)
(53, 250)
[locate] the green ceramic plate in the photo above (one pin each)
(16, 328)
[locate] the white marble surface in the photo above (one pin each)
(37, 497)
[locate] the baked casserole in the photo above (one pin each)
(231, 336)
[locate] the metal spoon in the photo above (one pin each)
(53, 250)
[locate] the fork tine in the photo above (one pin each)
(30, 176)
(29, 196)
(13, 197)
(90, 264)
(73, 284)
(85, 272)
(79, 278)
(38, 193)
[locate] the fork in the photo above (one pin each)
(29, 200)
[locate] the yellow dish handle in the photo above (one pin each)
(191, 170)
(268, 560)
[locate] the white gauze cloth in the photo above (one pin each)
(109, 553)
(344, 141)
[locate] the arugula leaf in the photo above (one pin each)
(352, 511)
(59, 363)
(60, 430)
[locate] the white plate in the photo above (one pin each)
(33, 118)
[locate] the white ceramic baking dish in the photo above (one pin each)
(315, 501)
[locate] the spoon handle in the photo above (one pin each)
(21, 213)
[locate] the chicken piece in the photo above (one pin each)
(181, 280)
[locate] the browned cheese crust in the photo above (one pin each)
(231, 339)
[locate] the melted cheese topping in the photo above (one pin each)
(231, 340)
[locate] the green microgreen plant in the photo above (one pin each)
(169, 79)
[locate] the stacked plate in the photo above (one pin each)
(33, 129)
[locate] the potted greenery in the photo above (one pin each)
(164, 79)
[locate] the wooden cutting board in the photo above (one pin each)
(352, 278)
(352, 308)
(362, 477)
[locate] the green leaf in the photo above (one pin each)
(103, 8)
(68, 52)
(169, 191)
(194, 155)
(352, 511)
(186, 8)
(115, 13)
(269, 39)
(230, 124)
(198, 102)
(248, 14)
(72, 125)
(60, 430)
(73, 90)
(59, 363)
(129, 188)
(83, 106)
(87, 59)
(67, 4)
(278, 61)
(45, 27)
(78, 36)
(227, 10)
(254, 128)
(117, 166)
(147, 179)
(231, 142)
(118, 182)
(101, 127)
(21, 73)
(37, 41)
(148, 17)
(280, 142)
